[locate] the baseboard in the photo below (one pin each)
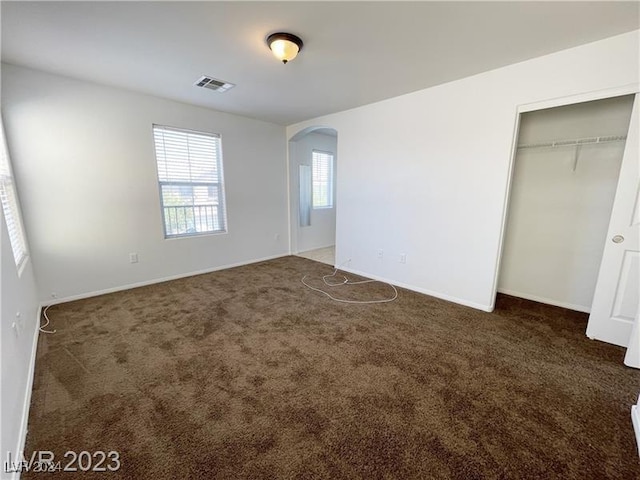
(431, 293)
(635, 418)
(22, 439)
(106, 291)
(548, 301)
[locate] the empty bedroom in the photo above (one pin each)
(320, 240)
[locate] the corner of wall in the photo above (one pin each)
(24, 423)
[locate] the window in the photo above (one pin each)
(322, 179)
(191, 183)
(10, 207)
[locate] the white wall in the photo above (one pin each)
(84, 161)
(19, 296)
(558, 217)
(322, 231)
(426, 173)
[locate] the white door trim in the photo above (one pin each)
(629, 89)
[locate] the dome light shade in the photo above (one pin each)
(284, 46)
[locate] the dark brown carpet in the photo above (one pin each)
(245, 373)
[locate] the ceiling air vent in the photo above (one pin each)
(213, 84)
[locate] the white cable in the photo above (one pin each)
(42, 327)
(346, 281)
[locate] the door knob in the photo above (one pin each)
(617, 239)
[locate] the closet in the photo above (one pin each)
(564, 181)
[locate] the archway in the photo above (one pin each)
(312, 187)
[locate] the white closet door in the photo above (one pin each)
(616, 299)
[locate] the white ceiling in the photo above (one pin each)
(355, 52)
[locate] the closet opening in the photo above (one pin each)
(565, 177)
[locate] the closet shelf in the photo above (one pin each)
(575, 142)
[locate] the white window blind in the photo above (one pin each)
(191, 182)
(322, 175)
(10, 206)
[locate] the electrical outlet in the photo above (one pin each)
(54, 295)
(380, 254)
(276, 236)
(133, 258)
(403, 258)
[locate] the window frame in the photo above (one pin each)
(330, 180)
(220, 185)
(15, 212)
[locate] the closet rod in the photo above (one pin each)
(573, 143)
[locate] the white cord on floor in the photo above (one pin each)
(42, 327)
(346, 281)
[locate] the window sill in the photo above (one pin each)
(194, 235)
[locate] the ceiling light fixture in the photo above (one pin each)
(285, 46)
